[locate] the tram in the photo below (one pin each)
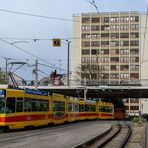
(31, 108)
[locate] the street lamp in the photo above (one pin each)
(68, 46)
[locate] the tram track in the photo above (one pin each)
(116, 137)
(16, 136)
(145, 144)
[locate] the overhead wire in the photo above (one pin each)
(51, 65)
(36, 15)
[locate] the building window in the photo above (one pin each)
(124, 75)
(134, 67)
(85, 44)
(95, 35)
(114, 43)
(95, 51)
(104, 67)
(104, 35)
(134, 100)
(134, 107)
(95, 43)
(114, 27)
(105, 27)
(124, 27)
(124, 35)
(134, 59)
(114, 67)
(114, 59)
(114, 35)
(104, 51)
(85, 52)
(105, 76)
(85, 36)
(124, 67)
(105, 43)
(106, 19)
(134, 43)
(134, 18)
(124, 51)
(134, 75)
(104, 59)
(134, 51)
(95, 20)
(124, 43)
(114, 51)
(85, 59)
(86, 20)
(95, 28)
(124, 19)
(114, 19)
(114, 76)
(85, 27)
(124, 59)
(134, 35)
(93, 59)
(134, 26)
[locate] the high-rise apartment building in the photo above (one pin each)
(112, 44)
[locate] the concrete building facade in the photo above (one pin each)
(114, 45)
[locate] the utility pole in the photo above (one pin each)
(36, 74)
(68, 46)
(6, 70)
(6, 75)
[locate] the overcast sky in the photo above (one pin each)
(20, 26)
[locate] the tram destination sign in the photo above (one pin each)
(2, 92)
(35, 92)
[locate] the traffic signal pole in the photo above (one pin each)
(68, 46)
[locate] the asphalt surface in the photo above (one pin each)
(63, 136)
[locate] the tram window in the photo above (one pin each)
(86, 107)
(58, 106)
(76, 107)
(102, 109)
(2, 105)
(10, 105)
(93, 108)
(62, 106)
(46, 105)
(34, 105)
(81, 108)
(41, 105)
(19, 105)
(27, 105)
(70, 107)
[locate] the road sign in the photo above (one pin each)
(56, 42)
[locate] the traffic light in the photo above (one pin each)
(56, 42)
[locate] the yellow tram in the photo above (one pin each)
(31, 108)
(24, 108)
(105, 110)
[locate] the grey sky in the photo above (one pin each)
(19, 26)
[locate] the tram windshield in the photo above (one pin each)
(2, 105)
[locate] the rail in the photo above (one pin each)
(106, 137)
(127, 137)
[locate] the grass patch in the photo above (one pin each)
(139, 120)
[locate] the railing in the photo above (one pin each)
(142, 82)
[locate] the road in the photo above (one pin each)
(63, 136)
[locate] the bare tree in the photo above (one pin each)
(91, 72)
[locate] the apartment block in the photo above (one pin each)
(112, 47)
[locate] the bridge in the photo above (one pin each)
(98, 91)
(103, 91)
